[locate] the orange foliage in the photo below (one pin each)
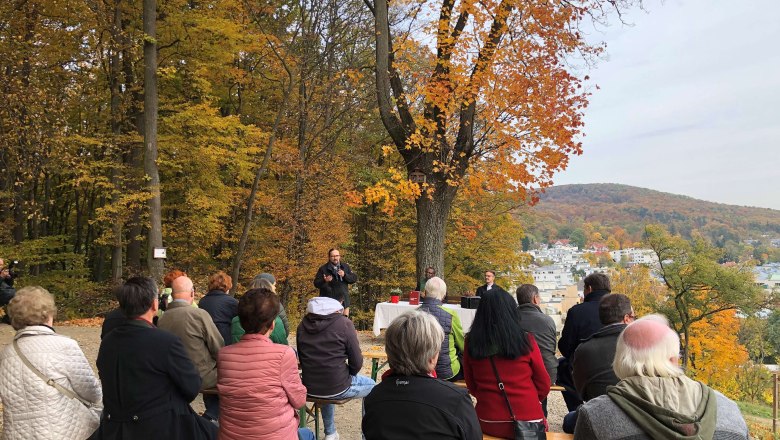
(716, 354)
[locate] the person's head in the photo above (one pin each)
(220, 281)
(172, 275)
(596, 281)
(336, 294)
(32, 305)
(647, 347)
(490, 277)
(435, 288)
(412, 342)
(262, 283)
(265, 276)
(430, 272)
(527, 294)
(137, 296)
(615, 308)
(334, 256)
(182, 288)
(257, 310)
(496, 329)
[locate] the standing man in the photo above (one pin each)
(148, 378)
(430, 272)
(334, 277)
(199, 335)
(582, 321)
(534, 321)
(489, 286)
(7, 291)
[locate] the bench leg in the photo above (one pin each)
(316, 422)
(374, 368)
(302, 417)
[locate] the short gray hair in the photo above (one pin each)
(647, 347)
(435, 288)
(32, 305)
(411, 341)
(262, 283)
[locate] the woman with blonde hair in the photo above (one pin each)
(48, 388)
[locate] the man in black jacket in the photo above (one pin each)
(334, 277)
(489, 286)
(330, 356)
(592, 361)
(582, 321)
(148, 379)
(533, 320)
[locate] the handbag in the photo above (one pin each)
(61, 389)
(523, 430)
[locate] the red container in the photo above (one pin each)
(394, 299)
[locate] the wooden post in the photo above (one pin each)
(774, 407)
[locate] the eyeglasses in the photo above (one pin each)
(631, 316)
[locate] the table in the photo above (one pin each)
(386, 312)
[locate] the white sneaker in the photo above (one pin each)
(334, 436)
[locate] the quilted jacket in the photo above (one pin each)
(34, 410)
(259, 390)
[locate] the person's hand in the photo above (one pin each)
(328, 278)
(341, 273)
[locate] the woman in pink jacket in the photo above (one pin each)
(259, 386)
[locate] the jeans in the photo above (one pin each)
(570, 421)
(361, 386)
(305, 434)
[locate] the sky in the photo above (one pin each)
(689, 102)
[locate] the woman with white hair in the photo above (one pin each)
(48, 388)
(654, 399)
(410, 402)
(449, 365)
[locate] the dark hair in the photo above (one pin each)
(597, 281)
(257, 310)
(496, 329)
(337, 294)
(136, 296)
(491, 271)
(613, 307)
(330, 251)
(431, 268)
(525, 293)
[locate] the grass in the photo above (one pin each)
(759, 420)
(756, 409)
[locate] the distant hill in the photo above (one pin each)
(606, 206)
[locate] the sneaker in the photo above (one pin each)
(334, 436)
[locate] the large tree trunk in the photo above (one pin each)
(114, 70)
(150, 137)
(432, 215)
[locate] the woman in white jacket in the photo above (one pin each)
(69, 408)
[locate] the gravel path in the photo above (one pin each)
(347, 416)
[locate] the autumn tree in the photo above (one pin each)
(496, 99)
(699, 286)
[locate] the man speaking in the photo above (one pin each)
(335, 276)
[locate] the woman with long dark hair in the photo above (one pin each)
(496, 339)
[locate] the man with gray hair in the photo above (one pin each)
(533, 320)
(451, 353)
(654, 399)
(409, 402)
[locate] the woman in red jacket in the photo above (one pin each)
(259, 386)
(496, 334)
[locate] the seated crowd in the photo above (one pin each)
(621, 373)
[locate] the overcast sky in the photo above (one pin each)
(689, 103)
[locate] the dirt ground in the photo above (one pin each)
(348, 416)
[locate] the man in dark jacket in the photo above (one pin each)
(533, 320)
(330, 357)
(334, 277)
(148, 379)
(489, 286)
(582, 321)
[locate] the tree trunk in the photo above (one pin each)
(432, 215)
(150, 137)
(114, 71)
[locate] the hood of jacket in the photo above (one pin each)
(668, 407)
(321, 312)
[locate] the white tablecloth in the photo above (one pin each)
(386, 312)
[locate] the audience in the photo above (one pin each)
(148, 378)
(448, 366)
(282, 312)
(221, 306)
(536, 322)
(259, 385)
(497, 340)
(410, 402)
(278, 335)
(199, 335)
(654, 399)
(330, 356)
(32, 409)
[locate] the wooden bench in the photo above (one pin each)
(462, 384)
(314, 411)
(550, 436)
(210, 391)
(376, 357)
